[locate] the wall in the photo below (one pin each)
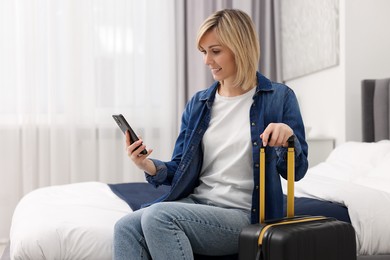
(330, 100)
(367, 54)
(321, 95)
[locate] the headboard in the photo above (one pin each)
(375, 109)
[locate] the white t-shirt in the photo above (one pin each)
(226, 178)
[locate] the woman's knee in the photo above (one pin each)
(120, 225)
(128, 224)
(155, 213)
(159, 216)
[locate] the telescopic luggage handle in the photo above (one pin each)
(290, 180)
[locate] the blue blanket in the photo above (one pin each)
(138, 193)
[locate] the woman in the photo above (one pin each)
(215, 164)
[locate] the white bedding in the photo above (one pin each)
(357, 175)
(72, 221)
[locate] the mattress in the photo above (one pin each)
(72, 221)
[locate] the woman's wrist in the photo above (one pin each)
(149, 167)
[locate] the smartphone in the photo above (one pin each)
(124, 126)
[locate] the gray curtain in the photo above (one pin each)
(190, 14)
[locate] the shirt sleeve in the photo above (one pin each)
(161, 175)
(292, 117)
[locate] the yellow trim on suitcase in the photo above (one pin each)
(262, 185)
(293, 221)
(290, 181)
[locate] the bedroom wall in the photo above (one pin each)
(330, 99)
(321, 95)
(367, 54)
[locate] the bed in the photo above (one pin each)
(76, 221)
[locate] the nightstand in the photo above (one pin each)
(319, 149)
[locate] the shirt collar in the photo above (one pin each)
(263, 84)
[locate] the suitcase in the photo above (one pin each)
(295, 237)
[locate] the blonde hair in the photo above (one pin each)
(235, 30)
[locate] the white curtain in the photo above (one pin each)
(65, 67)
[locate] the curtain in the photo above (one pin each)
(265, 15)
(66, 66)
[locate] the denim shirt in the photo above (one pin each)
(272, 103)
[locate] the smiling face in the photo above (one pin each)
(220, 59)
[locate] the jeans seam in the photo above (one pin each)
(177, 239)
(142, 242)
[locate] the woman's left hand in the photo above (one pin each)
(276, 134)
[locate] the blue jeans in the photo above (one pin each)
(177, 230)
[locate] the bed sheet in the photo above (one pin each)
(73, 221)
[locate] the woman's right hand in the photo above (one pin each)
(140, 160)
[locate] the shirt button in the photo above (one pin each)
(254, 210)
(257, 187)
(257, 165)
(255, 143)
(253, 123)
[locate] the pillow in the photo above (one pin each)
(379, 177)
(359, 157)
(382, 169)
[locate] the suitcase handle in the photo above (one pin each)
(290, 180)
